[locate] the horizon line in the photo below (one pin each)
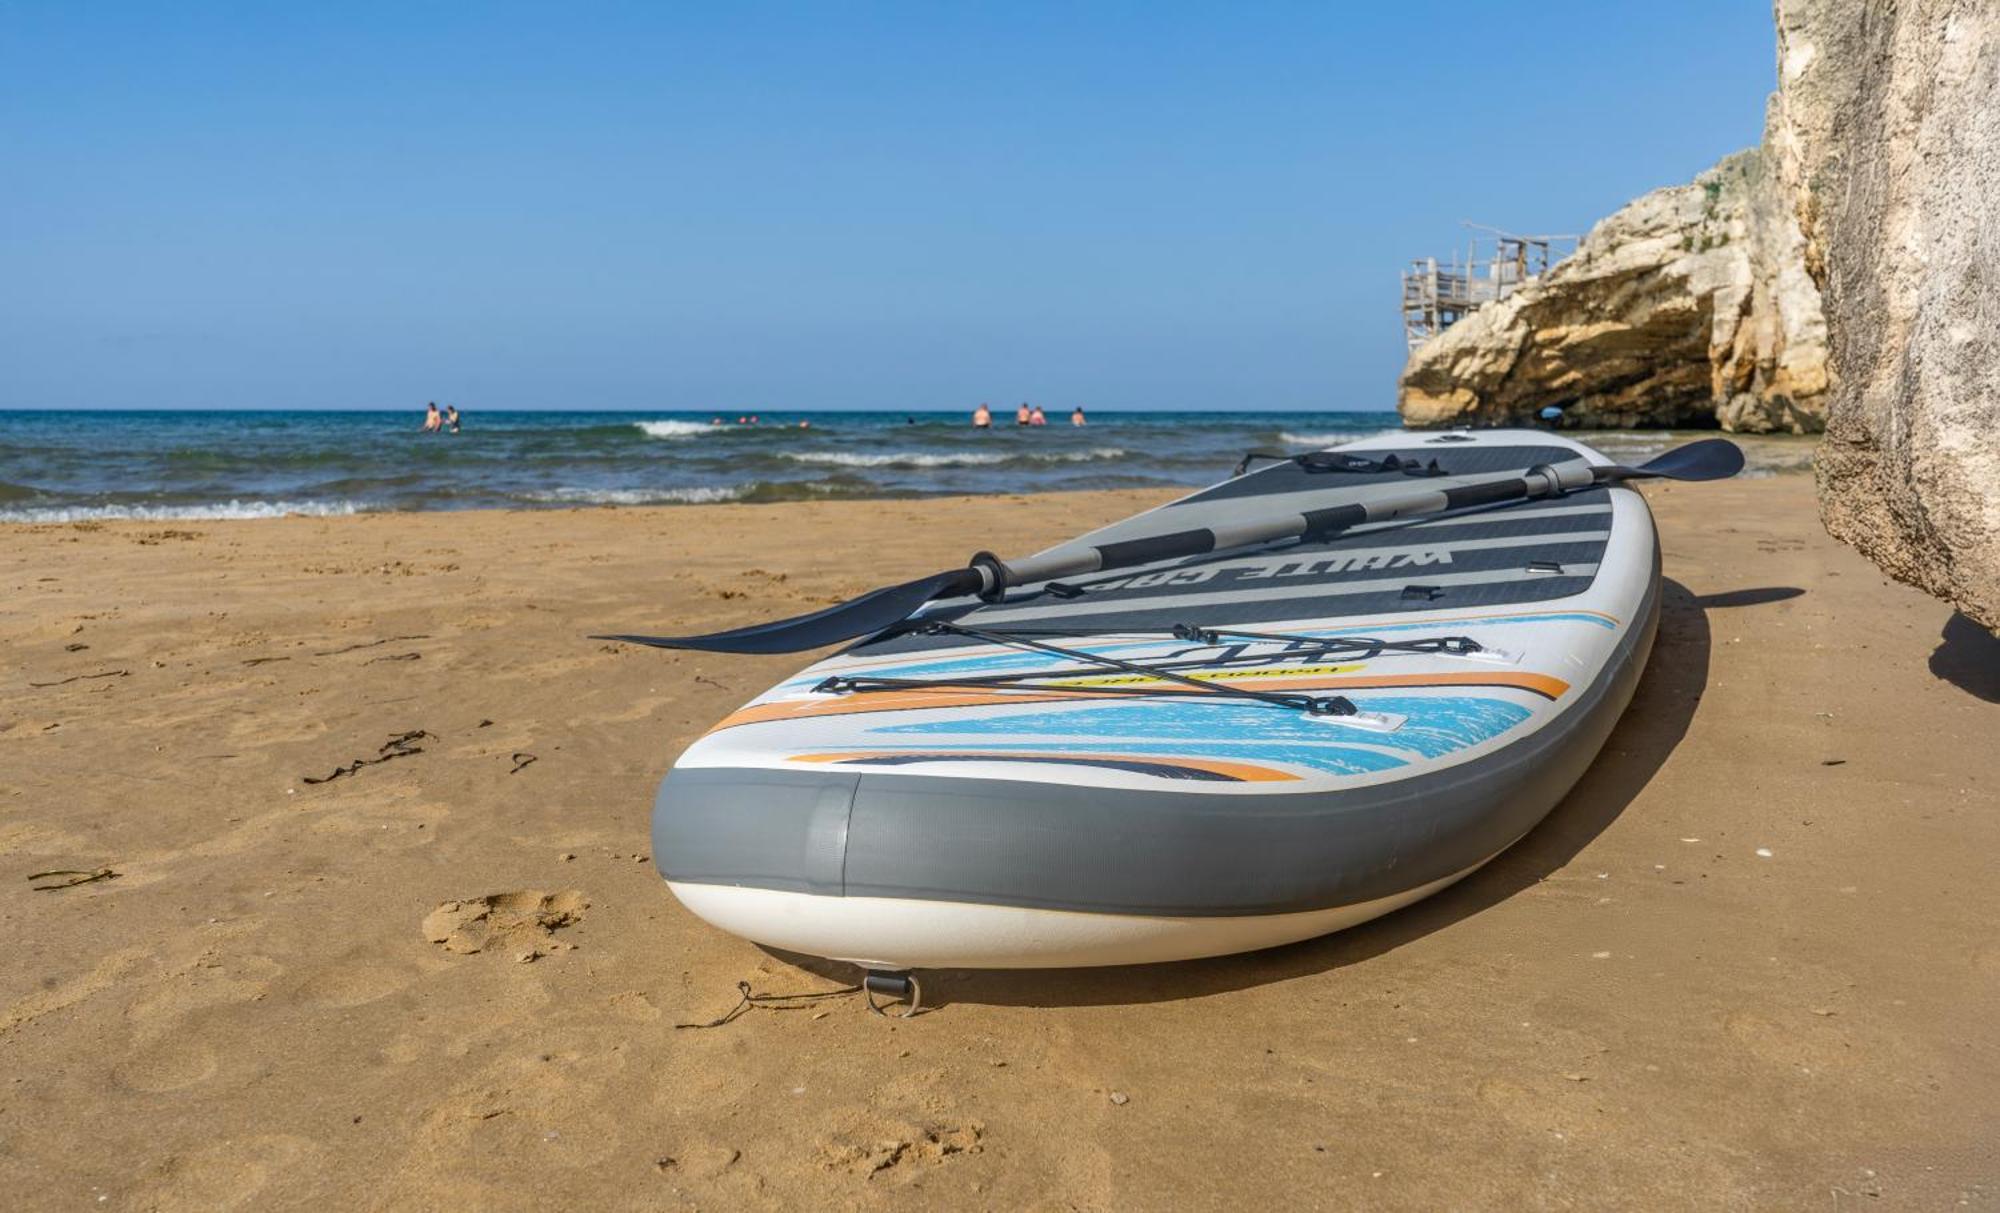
(711, 411)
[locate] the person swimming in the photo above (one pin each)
(982, 417)
(1076, 416)
(433, 420)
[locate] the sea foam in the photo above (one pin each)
(696, 495)
(1320, 441)
(949, 459)
(674, 429)
(214, 512)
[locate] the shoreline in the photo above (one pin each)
(195, 515)
(1087, 498)
(261, 1006)
(208, 466)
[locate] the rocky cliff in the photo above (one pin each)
(1887, 130)
(1690, 306)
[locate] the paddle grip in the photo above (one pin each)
(1119, 555)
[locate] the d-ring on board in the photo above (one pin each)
(897, 986)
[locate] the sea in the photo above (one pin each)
(81, 465)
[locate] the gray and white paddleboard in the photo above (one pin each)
(1097, 815)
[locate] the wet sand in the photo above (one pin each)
(1751, 960)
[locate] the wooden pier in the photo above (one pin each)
(1437, 295)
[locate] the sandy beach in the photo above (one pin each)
(1749, 962)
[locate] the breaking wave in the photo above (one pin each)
(755, 492)
(951, 459)
(213, 512)
(699, 495)
(1321, 441)
(674, 429)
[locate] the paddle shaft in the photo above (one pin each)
(1541, 481)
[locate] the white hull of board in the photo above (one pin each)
(892, 933)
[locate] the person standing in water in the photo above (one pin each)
(433, 420)
(1021, 415)
(1076, 416)
(451, 417)
(982, 417)
(1037, 417)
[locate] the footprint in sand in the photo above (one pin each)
(237, 1174)
(884, 1146)
(700, 1160)
(634, 1006)
(643, 708)
(1986, 960)
(521, 924)
(26, 838)
(351, 983)
(166, 1065)
(388, 829)
(1805, 1046)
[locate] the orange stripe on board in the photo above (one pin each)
(856, 703)
(1234, 770)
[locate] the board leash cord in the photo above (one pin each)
(1299, 647)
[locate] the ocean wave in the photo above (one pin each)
(1321, 441)
(695, 495)
(212, 512)
(754, 492)
(949, 459)
(674, 429)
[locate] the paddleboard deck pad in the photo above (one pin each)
(1195, 757)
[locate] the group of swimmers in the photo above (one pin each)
(435, 422)
(1027, 414)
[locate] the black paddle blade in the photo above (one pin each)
(861, 616)
(1709, 459)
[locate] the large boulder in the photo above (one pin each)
(1887, 129)
(1690, 306)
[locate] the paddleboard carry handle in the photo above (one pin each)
(896, 987)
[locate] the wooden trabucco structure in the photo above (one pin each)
(1437, 295)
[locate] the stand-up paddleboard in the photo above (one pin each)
(1199, 754)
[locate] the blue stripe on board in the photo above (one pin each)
(1435, 726)
(1335, 760)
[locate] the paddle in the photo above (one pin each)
(989, 577)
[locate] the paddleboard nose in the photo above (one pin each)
(747, 826)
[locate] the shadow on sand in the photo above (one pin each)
(1744, 598)
(1968, 657)
(1651, 728)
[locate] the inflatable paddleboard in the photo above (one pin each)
(1200, 756)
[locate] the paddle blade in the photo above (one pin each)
(1709, 459)
(863, 616)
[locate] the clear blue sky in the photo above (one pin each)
(812, 206)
